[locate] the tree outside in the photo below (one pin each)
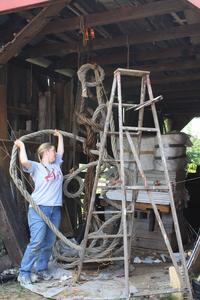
(193, 153)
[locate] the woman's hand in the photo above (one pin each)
(22, 154)
(19, 144)
(60, 148)
(57, 132)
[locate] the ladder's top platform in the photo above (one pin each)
(131, 72)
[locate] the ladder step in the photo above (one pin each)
(118, 160)
(135, 187)
(107, 236)
(150, 129)
(110, 212)
(117, 133)
(149, 102)
(103, 259)
(126, 105)
(129, 72)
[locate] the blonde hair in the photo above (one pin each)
(43, 147)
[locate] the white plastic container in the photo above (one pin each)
(147, 153)
(175, 152)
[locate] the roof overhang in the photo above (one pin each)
(8, 6)
(195, 3)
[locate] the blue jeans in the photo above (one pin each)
(42, 239)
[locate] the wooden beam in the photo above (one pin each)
(185, 108)
(149, 37)
(190, 64)
(29, 31)
(188, 96)
(174, 52)
(137, 38)
(172, 66)
(171, 96)
(125, 13)
(184, 102)
(161, 66)
(178, 88)
(17, 5)
(135, 56)
(176, 78)
(160, 81)
(4, 163)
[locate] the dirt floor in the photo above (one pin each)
(13, 291)
(143, 277)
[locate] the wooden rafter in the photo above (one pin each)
(189, 64)
(135, 39)
(134, 56)
(17, 5)
(160, 67)
(179, 96)
(186, 107)
(122, 14)
(174, 88)
(170, 66)
(30, 31)
(158, 80)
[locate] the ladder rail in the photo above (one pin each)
(127, 212)
(139, 139)
(122, 175)
(139, 165)
(173, 208)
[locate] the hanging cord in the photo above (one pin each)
(31, 82)
(78, 93)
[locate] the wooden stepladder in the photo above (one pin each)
(127, 213)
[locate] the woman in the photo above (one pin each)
(47, 194)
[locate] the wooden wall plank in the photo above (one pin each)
(9, 226)
(3, 112)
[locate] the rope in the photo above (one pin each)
(83, 120)
(96, 249)
(101, 247)
(71, 262)
(69, 177)
(82, 77)
(18, 182)
(74, 194)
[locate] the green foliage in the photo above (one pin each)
(193, 153)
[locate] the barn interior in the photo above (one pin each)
(43, 45)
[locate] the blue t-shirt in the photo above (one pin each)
(48, 180)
